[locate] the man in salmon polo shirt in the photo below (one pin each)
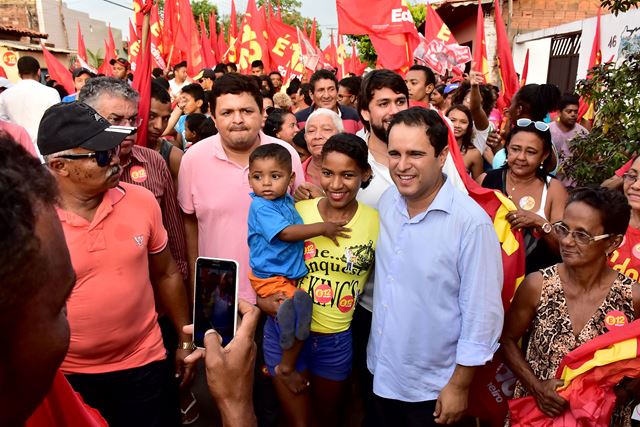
(213, 184)
(118, 247)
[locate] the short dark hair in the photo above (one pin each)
(182, 64)
(220, 68)
(275, 120)
(232, 65)
(233, 83)
(351, 146)
(201, 125)
(352, 84)
(305, 91)
(612, 205)
(466, 138)
(257, 63)
(568, 99)
(28, 66)
(163, 82)
(294, 86)
(25, 186)
(376, 80)
(272, 151)
(430, 78)
(159, 93)
(197, 92)
(436, 130)
(157, 72)
(322, 74)
(537, 100)
(486, 93)
(275, 73)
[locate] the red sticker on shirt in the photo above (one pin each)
(323, 294)
(615, 318)
(138, 174)
(309, 250)
(346, 303)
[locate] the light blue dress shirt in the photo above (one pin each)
(437, 303)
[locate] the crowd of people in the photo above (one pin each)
(369, 283)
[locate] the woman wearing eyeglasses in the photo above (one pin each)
(539, 198)
(565, 305)
(626, 258)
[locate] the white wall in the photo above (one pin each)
(539, 43)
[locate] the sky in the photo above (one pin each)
(323, 10)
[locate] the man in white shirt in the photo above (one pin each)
(25, 102)
(180, 79)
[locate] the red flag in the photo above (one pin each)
(587, 109)
(142, 83)
(3, 73)
(213, 37)
(508, 74)
(105, 68)
(58, 72)
(134, 46)
(232, 51)
(208, 55)
(156, 32)
(138, 15)
(481, 64)
(341, 57)
(285, 51)
(525, 70)
(435, 28)
(330, 53)
(112, 43)
(252, 44)
(310, 56)
(188, 39)
(222, 47)
(357, 66)
(313, 34)
(590, 373)
(169, 28)
(279, 11)
(82, 50)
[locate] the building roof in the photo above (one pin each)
(32, 47)
(8, 29)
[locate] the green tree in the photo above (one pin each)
(615, 135)
(95, 59)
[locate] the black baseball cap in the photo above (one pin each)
(75, 124)
(80, 71)
(122, 61)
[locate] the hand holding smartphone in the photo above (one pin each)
(216, 299)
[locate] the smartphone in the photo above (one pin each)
(216, 298)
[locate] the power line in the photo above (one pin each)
(117, 4)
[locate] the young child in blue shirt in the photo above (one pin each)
(276, 245)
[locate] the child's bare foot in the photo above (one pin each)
(293, 380)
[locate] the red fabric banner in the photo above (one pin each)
(134, 46)
(208, 55)
(481, 63)
(586, 109)
(213, 38)
(232, 50)
(284, 50)
(188, 39)
(508, 76)
(252, 42)
(142, 83)
(525, 70)
(57, 71)
(157, 42)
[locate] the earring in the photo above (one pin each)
(541, 165)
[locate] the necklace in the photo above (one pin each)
(527, 202)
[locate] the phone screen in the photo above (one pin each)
(216, 299)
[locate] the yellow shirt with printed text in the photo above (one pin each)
(337, 274)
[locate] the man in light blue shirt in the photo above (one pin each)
(437, 311)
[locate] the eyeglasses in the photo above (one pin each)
(541, 126)
(630, 178)
(103, 158)
(125, 121)
(580, 237)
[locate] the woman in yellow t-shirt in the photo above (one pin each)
(337, 274)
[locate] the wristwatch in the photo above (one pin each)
(546, 228)
(187, 345)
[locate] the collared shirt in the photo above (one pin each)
(111, 310)
(25, 102)
(216, 190)
(20, 135)
(149, 170)
(437, 294)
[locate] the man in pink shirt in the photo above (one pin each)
(213, 184)
(118, 245)
(20, 135)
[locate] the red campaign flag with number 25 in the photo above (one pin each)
(590, 373)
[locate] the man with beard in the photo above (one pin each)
(383, 94)
(119, 251)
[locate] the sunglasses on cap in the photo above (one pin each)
(103, 158)
(541, 126)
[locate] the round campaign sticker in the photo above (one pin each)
(346, 303)
(323, 294)
(309, 250)
(138, 174)
(10, 59)
(527, 203)
(615, 318)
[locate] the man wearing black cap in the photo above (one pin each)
(120, 68)
(80, 77)
(118, 246)
(206, 77)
